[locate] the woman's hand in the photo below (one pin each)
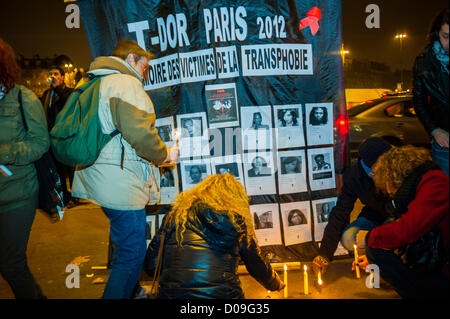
(441, 137)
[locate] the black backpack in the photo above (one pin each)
(50, 188)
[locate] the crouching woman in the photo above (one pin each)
(412, 251)
(207, 231)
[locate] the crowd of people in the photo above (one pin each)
(403, 226)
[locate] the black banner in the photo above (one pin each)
(224, 61)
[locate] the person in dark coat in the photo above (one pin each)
(19, 190)
(208, 231)
(431, 88)
(53, 100)
(358, 184)
(412, 251)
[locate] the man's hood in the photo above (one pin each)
(104, 65)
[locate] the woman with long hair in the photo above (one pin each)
(207, 230)
(19, 149)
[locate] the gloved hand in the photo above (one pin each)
(320, 263)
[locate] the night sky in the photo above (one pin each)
(38, 27)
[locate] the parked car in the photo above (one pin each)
(392, 118)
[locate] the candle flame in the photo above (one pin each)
(319, 282)
(304, 267)
(354, 246)
(285, 267)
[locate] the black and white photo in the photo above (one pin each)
(231, 164)
(321, 211)
(321, 168)
(256, 125)
(259, 170)
(168, 185)
(193, 172)
(296, 222)
(319, 123)
(194, 138)
(291, 172)
(166, 130)
(266, 220)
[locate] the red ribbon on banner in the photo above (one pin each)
(312, 18)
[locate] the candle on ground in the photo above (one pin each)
(286, 282)
(356, 261)
(305, 280)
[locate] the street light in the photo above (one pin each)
(401, 37)
(343, 53)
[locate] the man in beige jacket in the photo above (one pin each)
(124, 177)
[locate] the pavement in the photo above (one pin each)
(81, 238)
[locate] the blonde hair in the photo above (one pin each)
(221, 192)
(392, 167)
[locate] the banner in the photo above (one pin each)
(254, 87)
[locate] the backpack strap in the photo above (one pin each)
(24, 121)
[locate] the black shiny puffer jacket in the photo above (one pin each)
(205, 266)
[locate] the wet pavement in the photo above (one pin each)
(82, 238)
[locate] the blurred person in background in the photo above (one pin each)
(53, 100)
(431, 89)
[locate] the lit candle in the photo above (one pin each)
(177, 135)
(305, 280)
(286, 282)
(319, 278)
(356, 261)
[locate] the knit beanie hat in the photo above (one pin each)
(371, 149)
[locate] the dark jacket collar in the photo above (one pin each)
(407, 191)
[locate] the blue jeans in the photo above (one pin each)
(440, 156)
(348, 238)
(127, 231)
(407, 283)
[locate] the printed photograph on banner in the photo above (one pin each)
(193, 172)
(319, 123)
(259, 172)
(321, 211)
(321, 168)
(291, 172)
(296, 222)
(222, 106)
(150, 228)
(256, 125)
(166, 130)
(168, 184)
(288, 126)
(266, 220)
(193, 135)
(231, 164)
